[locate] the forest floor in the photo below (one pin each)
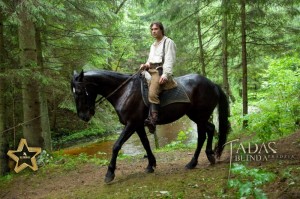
(170, 179)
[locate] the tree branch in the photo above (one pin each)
(120, 6)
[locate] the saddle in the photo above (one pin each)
(174, 95)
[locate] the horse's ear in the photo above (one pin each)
(80, 77)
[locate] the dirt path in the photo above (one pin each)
(170, 179)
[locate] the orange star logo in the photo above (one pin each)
(24, 156)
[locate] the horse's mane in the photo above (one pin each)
(106, 73)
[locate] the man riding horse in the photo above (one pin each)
(160, 66)
(124, 92)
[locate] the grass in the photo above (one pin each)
(80, 135)
(181, 184)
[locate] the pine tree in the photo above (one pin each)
(3, 133)
(32, 129)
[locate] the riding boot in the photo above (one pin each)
(150, 122)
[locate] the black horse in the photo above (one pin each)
(124, 93)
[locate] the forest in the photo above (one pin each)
(249, 47)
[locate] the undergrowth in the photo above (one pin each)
(79, 135)
(247, 182)
(180, 142)
(67, 162)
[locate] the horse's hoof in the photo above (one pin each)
(149, 170)
(154, 165)
(191, 165)
(211, 159)
(109, 178)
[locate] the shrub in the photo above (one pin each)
(248, 181)
(278, 100)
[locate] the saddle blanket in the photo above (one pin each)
(174, 95)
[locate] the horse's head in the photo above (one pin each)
(84, 97)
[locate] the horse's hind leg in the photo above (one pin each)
(201, 138)
(210, 129)
(144, 139)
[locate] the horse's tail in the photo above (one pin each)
(224, 125)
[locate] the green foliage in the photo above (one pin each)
(278, 101)
(6, 178)
(122, 156)
(180, 142)
(247, 181)
(289, 174)
(49, 161)
(44, 158)
(236, 118)
(86, 133)
(98, 161)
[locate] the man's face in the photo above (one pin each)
(156, 32)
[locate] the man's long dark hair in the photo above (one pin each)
(160, 25)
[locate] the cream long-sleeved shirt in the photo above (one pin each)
(156, 54)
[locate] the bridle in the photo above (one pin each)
(103, 98)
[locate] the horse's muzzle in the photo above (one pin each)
(85, 117)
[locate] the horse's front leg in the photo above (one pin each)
(144, 139)
(125, 135)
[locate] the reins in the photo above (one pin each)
(102, 99)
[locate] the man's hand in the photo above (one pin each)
(144, 66)
(163, 79)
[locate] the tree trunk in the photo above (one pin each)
(110, 40)
(32, 129)
(244, 61)
(53, 113)
(46, 133)
(3, 138)
(109, 59)
(3, 135)
(201, 49)
(226, 85)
